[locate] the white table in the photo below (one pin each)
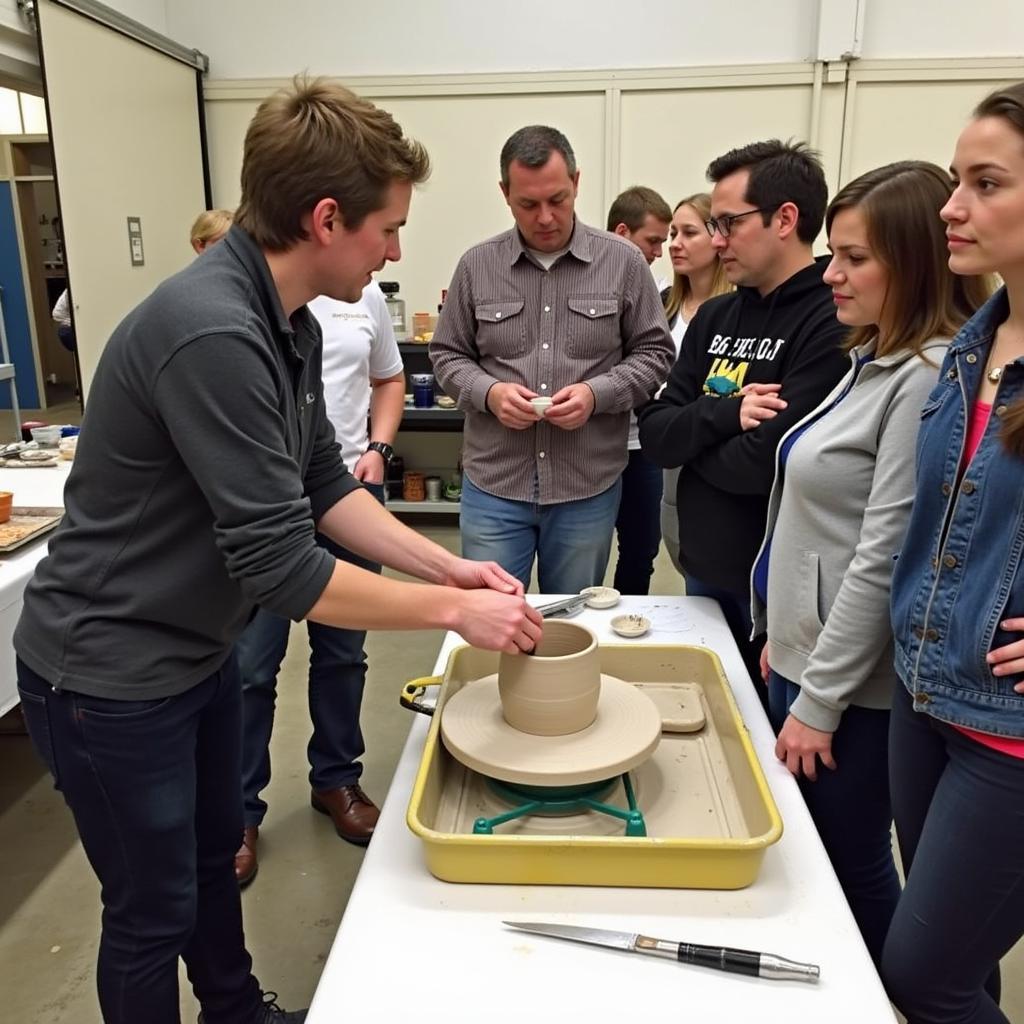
(412, 948)
(35, 487)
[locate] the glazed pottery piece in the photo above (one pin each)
(540, 405)
(554, 691)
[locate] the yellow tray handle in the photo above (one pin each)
(414, 689)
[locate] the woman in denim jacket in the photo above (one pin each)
(837, 513)
(957, 730)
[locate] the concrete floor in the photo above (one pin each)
(49, 899)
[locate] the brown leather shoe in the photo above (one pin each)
(354, 814)
(246, 864)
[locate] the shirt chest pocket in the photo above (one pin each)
(593, 326)
(501, 329)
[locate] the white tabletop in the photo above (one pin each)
(410, 947)
(34, 487)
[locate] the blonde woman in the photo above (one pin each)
(209, 228)
(696, 275)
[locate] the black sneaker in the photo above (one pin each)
(271, 1013)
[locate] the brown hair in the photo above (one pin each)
(632, 207)
(681, 288)
(210, 225)
(1008, 103)
(924, 299)
(317, 141)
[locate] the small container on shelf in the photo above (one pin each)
(432, 487)
(413, 486)
(422, 390)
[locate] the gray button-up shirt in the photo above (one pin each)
(594, 317)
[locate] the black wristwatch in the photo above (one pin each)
(387, 453)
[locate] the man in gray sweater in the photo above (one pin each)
(206, 464)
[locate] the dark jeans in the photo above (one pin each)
(337, 673)
(736, 609)
(638, 526)
(852, 811)
(959, 809)
(153, 786)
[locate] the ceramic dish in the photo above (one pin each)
(600, 597)
(540, 405)
(630, 625)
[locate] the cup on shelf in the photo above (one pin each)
(422, 390)
(413, 486)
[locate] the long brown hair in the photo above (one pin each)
(681, 288)
(900, 204)
(1008, 104)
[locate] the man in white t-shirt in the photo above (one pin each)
(363, 376)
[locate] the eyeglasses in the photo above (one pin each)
(723, 225)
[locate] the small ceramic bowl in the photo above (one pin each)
(630, 625)
(601, 597)
(46, 437)
(540, 405)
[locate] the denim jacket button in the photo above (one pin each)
(1000, 411)
(971, 357)
(968, 487)
(931, 634)
(949, 561)
(921, 698)
(946, 489)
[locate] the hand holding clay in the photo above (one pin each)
(497, 622)
(510, 403)
(571, 407)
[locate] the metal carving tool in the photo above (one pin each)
(734, 961)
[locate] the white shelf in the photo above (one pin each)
(6, 371)
(423, 507)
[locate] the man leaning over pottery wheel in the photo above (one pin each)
(205, 467)
(549, 309)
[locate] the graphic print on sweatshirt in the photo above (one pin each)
(732, 358)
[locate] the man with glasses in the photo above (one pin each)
(755, 362)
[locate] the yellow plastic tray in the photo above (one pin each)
(710, 815)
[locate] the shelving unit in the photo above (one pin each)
(429, 440)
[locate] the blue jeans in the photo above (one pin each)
(571, 540)
(959, 809)
(852, 811)
(638, 526)
(153, 786)
(337, 673)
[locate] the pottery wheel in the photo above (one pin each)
(624, 734)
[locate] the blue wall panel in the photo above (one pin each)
(19, 338)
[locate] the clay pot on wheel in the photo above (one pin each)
(554, 691)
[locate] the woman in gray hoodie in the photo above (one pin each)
(843, 488)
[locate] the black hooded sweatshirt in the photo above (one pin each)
(789, 336)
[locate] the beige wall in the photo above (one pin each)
(658, 128)
(126, 143)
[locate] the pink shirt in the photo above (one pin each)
(975, 429)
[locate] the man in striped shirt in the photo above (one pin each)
(551, 309)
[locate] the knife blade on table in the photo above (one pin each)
(734, 961)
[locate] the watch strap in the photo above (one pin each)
(385, 450)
